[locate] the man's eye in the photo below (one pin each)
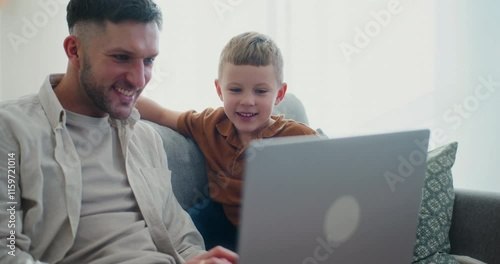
(121, 57)
(149, 61)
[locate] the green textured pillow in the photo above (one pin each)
(433, 244)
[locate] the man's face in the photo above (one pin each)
(249, 94)
(116, 66)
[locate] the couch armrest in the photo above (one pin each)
(475, 228)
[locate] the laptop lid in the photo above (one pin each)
(343, 200)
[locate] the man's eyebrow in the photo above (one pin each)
(128, 52)
(119, 50)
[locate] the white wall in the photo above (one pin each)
(193, 37)
(31, 44)
(410, 70)
(366, 89)
(469, 53)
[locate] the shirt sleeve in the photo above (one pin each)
(192, 123)
(13, 244)
(182, 232)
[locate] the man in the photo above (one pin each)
(82, 179)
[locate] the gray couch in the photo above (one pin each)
(475, 227)
(475, 230)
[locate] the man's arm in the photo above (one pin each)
(152, 111)
(13, 244)
(184, 236)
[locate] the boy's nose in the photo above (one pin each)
(248, 100)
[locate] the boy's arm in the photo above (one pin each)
(152, 111)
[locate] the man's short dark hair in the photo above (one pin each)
(100, 11)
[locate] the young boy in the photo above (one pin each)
(250, 84)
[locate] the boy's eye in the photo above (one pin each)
(234, 90)
(261, 91)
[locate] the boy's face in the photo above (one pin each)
(249, 94)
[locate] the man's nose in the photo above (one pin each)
(136, 75)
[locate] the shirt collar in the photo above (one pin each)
(50, 104)
(227, 129)
(274, 128)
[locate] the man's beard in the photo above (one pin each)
(96, 93)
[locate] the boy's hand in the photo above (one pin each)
(217, 255)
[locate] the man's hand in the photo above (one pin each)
(217, 255)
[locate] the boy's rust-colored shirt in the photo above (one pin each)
(217, 139)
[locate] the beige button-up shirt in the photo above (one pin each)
(41, 185)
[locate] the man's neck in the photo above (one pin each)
(72, 97)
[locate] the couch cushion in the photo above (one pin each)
(187, 164)
(475, 225)
(292, 108)
(432, 243)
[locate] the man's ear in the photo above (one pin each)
(71, 47)
(219, 90)
(281, 94)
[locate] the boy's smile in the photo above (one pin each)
(249, 94)
(246, 115)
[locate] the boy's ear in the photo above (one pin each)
(71, 46)
(219, 90)
(281, 94)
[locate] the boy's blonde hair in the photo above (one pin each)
(252, 48)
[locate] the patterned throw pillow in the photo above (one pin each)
(433, 244)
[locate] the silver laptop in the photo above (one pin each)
(313, 200)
